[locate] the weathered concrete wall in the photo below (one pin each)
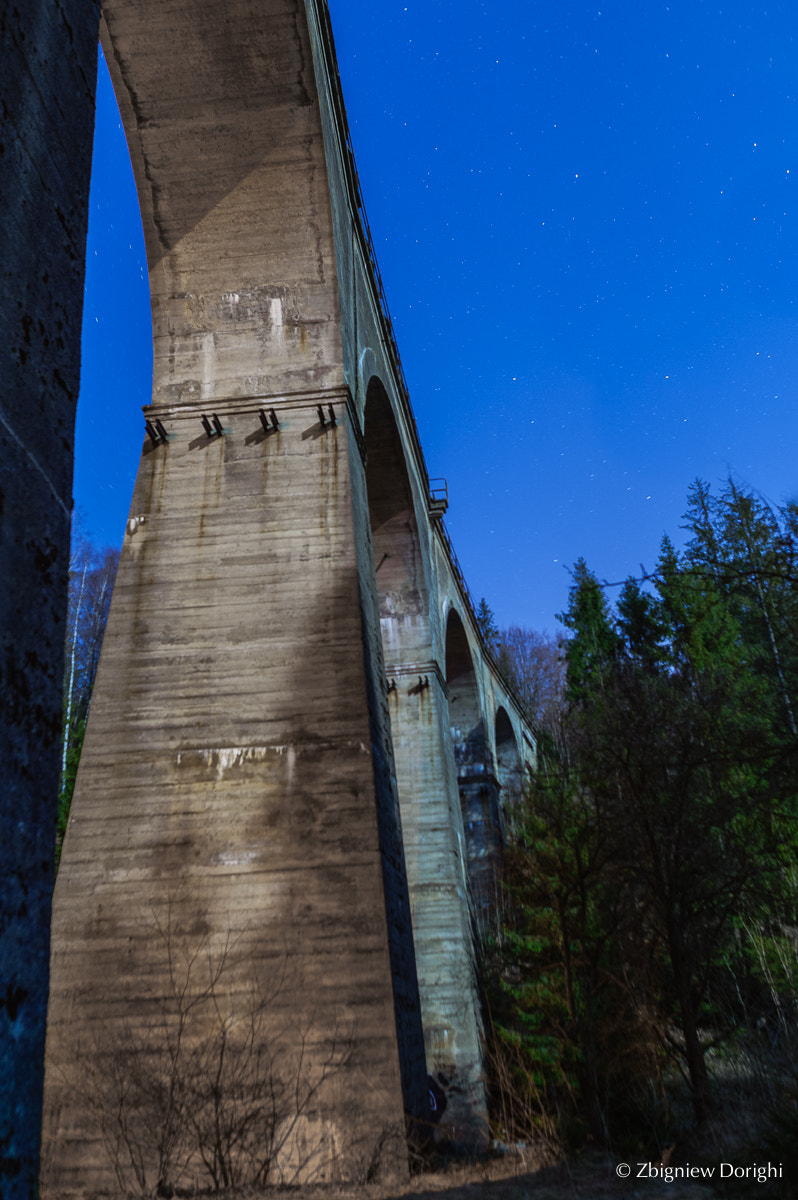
(220, 109)
(237, 778)
(289, 639)
(228, 786)
(47, 77)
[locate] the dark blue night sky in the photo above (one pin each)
(586, 226)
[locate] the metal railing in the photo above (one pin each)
(439, 493)
(363, 232)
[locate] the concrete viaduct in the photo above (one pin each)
(300, 751)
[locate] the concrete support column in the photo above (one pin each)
(48, 51)
(435, 849)
(228, 807)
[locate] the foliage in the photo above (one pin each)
(650, 876)
(590, 652)
(487, 624)
(558, 991)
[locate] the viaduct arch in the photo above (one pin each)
(298, 739)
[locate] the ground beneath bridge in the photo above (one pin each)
(586, 1178)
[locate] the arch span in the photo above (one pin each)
(476, 779)
(509, 768)
(398, 561)
(227, 148)
(509, 764)
(465, 709)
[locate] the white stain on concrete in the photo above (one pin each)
(235, 858)
(221, 759)
(226, 758)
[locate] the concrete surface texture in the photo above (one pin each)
(287, 824)
(47, 78)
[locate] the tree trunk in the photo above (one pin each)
(694, 1053)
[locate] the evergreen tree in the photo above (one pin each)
(750, 551)
(561, 1001)
(487, 624)
(591, 651)
(675, 750)
(654, 859)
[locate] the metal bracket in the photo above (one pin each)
(214, 430)
(156, 432)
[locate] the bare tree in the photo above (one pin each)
(213, 1085)
(535, 664)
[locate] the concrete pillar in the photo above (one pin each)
(427, 781)
(435, 850)
(48, 56)
(229, 807)
(235, 816)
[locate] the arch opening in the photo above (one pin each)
(509, 767)
(425, 770)
(468, 727)
(116, 339)
(401, 584)
(476, 780)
